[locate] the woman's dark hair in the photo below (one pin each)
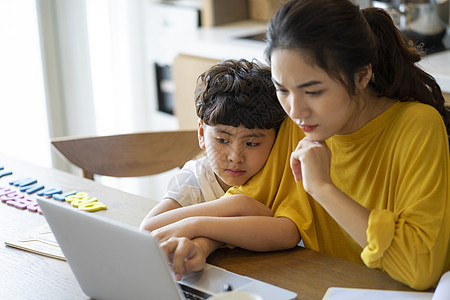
(238, 93)
(342, 40)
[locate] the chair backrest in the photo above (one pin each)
(129, 155)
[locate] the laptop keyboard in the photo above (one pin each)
(194, 294)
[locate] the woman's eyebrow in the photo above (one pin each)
(302, 85)
(275, 82)
(308, 84)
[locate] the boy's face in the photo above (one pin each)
(235, 153)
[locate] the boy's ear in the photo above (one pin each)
(201, 134)
(363, 77)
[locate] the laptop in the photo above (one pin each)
(112, 260)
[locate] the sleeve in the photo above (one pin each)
(410, 240)
(274, 185)
(184, 186)
(265, 184)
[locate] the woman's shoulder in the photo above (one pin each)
(414, 108)
(416, 113)
(415, 120)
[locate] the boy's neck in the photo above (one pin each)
(222, 184)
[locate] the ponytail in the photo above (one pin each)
(395, 65)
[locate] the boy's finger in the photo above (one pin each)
(180, 255)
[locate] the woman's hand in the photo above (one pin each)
(310, 162)
(187, 255)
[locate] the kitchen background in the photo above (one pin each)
(85, 67)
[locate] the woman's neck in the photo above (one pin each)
(370, 107)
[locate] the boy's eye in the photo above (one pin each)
(251, 144)
(222, 141)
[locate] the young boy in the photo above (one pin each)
(239, 116)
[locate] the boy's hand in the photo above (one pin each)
(187, 255)
(183, 228)
(184, 254)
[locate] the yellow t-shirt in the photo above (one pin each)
(397, 166)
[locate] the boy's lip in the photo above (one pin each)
(308, 128)
(235, 172)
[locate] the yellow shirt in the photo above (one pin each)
(397, 166)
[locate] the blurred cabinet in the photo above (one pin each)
(219, 12)
(263, 10)
(447, 98)
(168, 27)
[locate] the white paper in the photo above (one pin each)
(335, 293)
(442, 291)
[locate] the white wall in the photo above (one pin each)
(23, 120)
(98, 80)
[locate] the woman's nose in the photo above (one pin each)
(299, 109)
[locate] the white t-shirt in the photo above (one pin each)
(194, 183)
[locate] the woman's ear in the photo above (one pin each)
(363, 77)
(201, 134)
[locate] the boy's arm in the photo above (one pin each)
(231, 206)
(256, 233)
(166, 204)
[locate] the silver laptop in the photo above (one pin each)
(111, 260)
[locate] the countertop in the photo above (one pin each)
(438, 65)
(223, 42)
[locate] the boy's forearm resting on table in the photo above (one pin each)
(236, 205)
(165, 205)
(256, 233)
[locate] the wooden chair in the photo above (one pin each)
(129, 155)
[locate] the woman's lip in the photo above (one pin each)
(235, 172)
(306, 128)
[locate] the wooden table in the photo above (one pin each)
(25, 275)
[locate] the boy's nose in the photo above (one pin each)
(235, 156)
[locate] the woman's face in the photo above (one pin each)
(318, 104)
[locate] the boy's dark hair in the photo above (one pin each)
(238, 92)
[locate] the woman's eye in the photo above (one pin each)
(314, 93)
(281, 91)
(222, 141)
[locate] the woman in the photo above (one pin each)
(364, 159)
